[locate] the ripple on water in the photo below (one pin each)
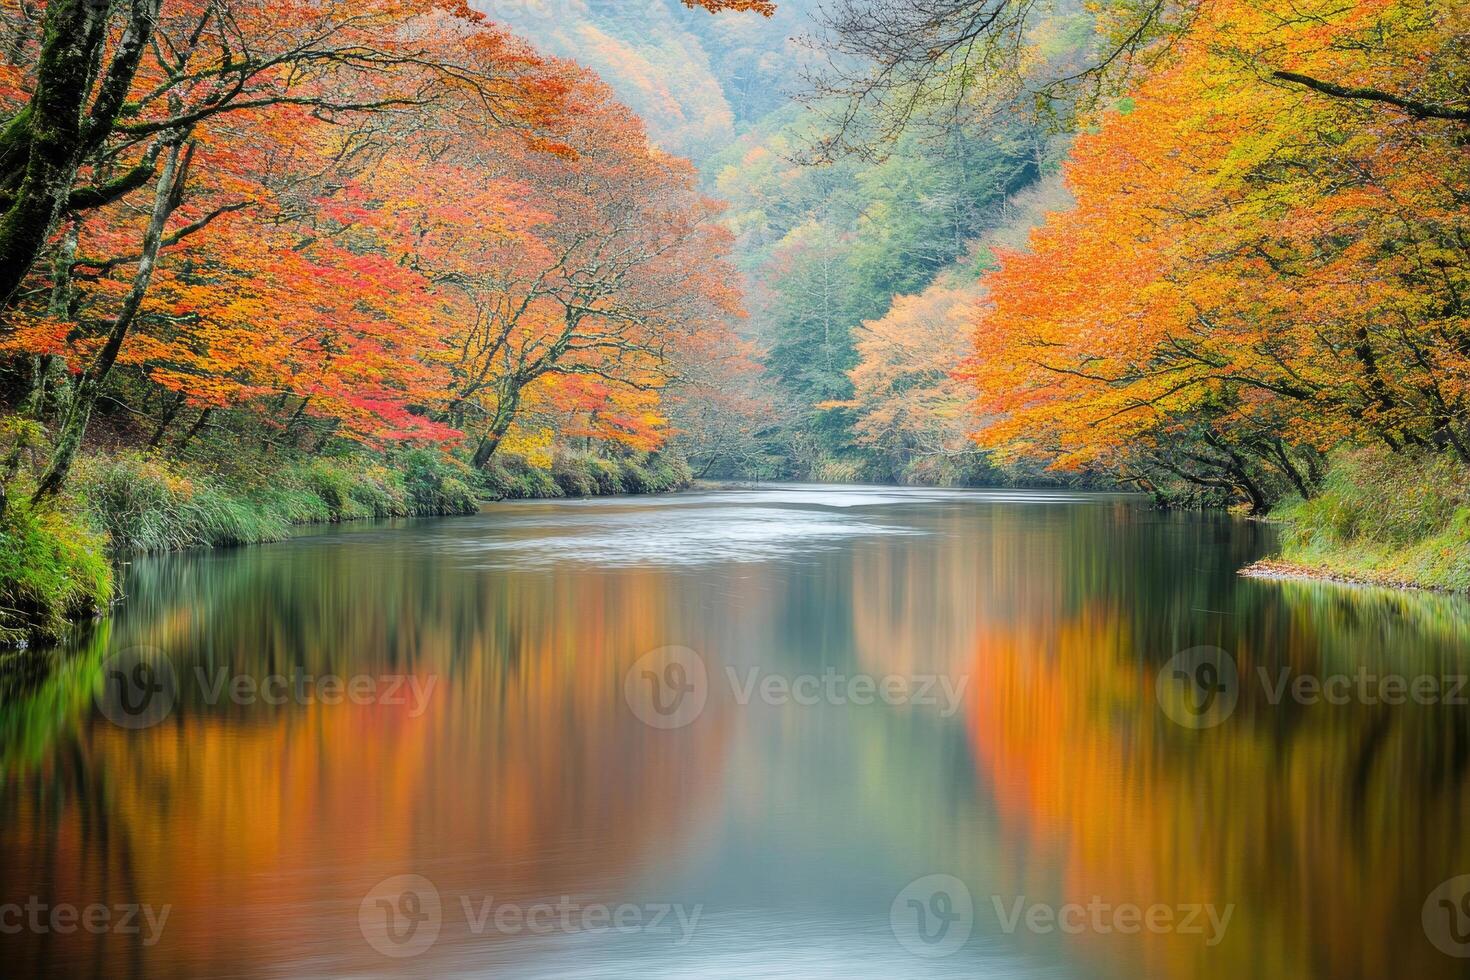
(681, 537)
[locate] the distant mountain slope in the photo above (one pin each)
(823, 249)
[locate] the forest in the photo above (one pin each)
(264, 264)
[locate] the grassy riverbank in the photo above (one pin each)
(53, 570)
(56, 563)
(1382, 518)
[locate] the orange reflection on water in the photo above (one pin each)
(264, 826)
(1294, 814)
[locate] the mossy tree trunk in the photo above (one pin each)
(44, 144)
(505, 414)
(47, 371)
(167, 197)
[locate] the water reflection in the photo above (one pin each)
(790, 826)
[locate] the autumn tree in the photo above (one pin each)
(910, 406)
(382, 221)
(611, 263)
(1253, 273)
(210, 64)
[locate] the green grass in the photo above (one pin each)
(1394, 518)
(578, 473)
(52, 571)
(145, 504)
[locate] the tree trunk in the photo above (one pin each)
(169, 414)
(43, 366)
(291, 434)
(43, 145)
(485, 450)
(199, 423)
(327, 432)
(79, 414)
(505, 414)
(1287, 467)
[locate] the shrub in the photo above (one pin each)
(382, 492)
(668, 472)
(831, 469)
(574, 472)
(609, 478)
(510, 476)
(334, 486)
(634, 478)
(580, 473)
(1378, 496)
(140, 504)
(437, 484)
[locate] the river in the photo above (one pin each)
(794, 731)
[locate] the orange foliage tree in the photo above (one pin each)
(1256, 268)
(612, 274)
(343, 200)
(910, 405)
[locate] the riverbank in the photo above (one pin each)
(56, 563)
(1272, 568)
(1381, 518)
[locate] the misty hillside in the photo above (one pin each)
(696, 80)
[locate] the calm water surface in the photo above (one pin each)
(508, 750)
